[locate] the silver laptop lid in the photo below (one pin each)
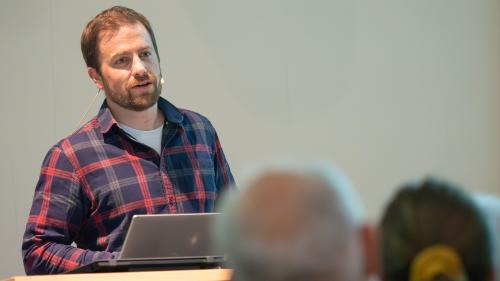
(170, 236)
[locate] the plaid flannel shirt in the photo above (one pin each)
(93, 182)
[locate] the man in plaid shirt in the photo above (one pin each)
(139, 155)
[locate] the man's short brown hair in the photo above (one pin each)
(109, 20)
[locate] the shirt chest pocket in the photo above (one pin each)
(191, 173)
(206, 170)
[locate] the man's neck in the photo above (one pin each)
(145, 120)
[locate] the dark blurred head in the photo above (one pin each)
(434, 213)
(491, 206)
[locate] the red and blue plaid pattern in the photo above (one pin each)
(94, 181)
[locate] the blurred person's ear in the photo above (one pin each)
(493, 275)
(368, 233)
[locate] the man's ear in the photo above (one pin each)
(369, 238)
(96, 77)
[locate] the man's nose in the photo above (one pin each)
(139, 68)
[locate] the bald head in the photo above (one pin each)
(281, 204)
(292, 224)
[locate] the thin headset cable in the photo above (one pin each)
(88, 109)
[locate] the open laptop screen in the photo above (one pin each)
(161, 242)
(170, 236)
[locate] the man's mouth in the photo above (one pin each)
(142, 84)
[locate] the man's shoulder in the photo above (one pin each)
(192, 118)
(89, 132)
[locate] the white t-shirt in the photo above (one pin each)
(150, 138)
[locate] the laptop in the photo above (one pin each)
(165, 241)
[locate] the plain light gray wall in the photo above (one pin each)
(389, 90)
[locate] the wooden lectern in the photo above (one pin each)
(169, 275)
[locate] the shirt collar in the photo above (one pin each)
(172, 114)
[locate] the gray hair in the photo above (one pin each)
(293, 223)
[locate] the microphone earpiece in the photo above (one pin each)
(162, 81)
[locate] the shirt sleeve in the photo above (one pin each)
(55, 219)
(223, 177)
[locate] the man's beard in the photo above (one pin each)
(134, 102)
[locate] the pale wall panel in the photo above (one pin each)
(389, 90)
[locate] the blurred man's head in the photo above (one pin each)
(296, 224)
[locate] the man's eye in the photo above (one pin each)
(146, 54)
(121, 61)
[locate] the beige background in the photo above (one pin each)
(389, 90)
